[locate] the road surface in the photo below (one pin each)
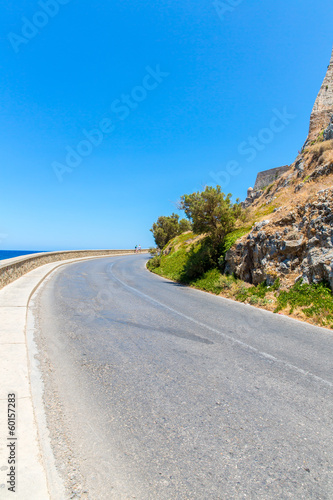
(158, 391)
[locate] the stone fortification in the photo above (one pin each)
(268, 176)
(264, 178)
(295, 242)
(323, 106)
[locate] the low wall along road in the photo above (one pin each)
(12, 269)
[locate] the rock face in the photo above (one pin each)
(299, 245)
(323, 107)
(268, 176)
(296, 240)
(328, 132)
(252, 195)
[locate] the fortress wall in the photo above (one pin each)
(268, 176)
(323, 106)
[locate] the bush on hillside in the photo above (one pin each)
(200, 258)
(167, 227)
(212, 212)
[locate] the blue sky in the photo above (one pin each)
(156, 99)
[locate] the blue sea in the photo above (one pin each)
(9, 254)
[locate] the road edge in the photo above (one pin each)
(287, 317)
(36, 474)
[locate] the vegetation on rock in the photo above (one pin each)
(279, 253)
(279, 258)
(212, 213)
(187, 263)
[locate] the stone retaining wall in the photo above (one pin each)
(12, 269)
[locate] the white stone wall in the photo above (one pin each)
(12, 269)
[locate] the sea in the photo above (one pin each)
(9, 254)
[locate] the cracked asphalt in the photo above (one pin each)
(158, 391)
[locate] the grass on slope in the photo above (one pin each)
(184, 259)
(189, 261)
(315, 301)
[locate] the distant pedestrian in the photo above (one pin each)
(136, 249)
(140, 248)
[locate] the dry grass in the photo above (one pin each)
(285, 198)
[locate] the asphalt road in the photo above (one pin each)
(158, 391)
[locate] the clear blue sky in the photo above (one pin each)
(177, 89)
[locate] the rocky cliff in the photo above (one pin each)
(323, 106)
(293, 238)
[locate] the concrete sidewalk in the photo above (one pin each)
(33, 479)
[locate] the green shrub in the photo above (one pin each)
(153, 251)
(241, 292)
(276, 285)
(255, 294)
(200, 258)
(315, 300)
(210, 281)
(154, 263)
(167, 227)
(212, 213)
(172, 265)
(226, 282)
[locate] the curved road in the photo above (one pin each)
(158, 391)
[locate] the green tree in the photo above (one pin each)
(167, 227)
(184, 225)
(211, 212)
